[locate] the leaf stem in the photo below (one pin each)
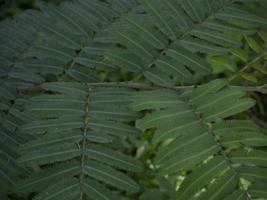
(144, 86)
(84, 144)
(230, 163)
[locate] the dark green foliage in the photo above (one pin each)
(195, 138)
(133, 99)
(81, 126)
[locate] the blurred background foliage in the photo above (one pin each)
(9, 8)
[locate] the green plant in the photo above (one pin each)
(129, 99)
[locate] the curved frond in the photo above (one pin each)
(181, 32)
(69, 123)
(73, 47)
(77, 129)
(17, 36)
(195, 135)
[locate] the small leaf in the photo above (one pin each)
(259, 67)
(263, 35)
(253, 44)
(219, 62)
(249, 77)
(240, 53)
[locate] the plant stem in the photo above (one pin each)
(143, 86)
(83, 148)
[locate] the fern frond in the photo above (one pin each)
(17, 37)
(80, 125)
(74, 138)
(11, 139)
(186, 26)
(193, 135)
(73, 46)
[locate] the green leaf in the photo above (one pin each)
(253, 44)
(159, 18)
(258, 191)
(253, 174)
(222, 62)
(201, 177)
(113, 158)
(249, 77)
(50, 155)
(256, 157)
(67, 189)
(97, 191)
(66, 88)
(263, 35)
(224, 185)
(38, 181)
(110, 176)
(259, 67)
(157, 76)
(240, 53)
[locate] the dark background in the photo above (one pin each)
(8, 8)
